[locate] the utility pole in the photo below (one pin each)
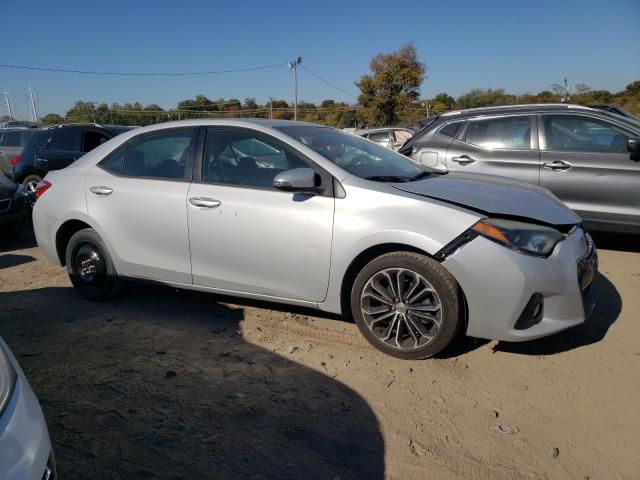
(7, 99)
(32, 104)
(293, 65)
(271, 107)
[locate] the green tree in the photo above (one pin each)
(392, 87)
(478, 97)
(51, 119)
(444, 98)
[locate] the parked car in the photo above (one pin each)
(588, 158)
(12, 141)
(25, 448)
(617, 110)
(17, 124)
(56, 147)
(15, 206)
(308, 215)
(389, 137)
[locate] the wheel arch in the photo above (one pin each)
(360, 261)
(64, 234)
(367, 255)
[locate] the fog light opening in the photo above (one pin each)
(532, 313)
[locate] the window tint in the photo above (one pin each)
(93, 139)
(26, 135)
(355, 154)
(511, 133)
(11, 139)
(245, 158)
(114, 162)
(161, 155)
(379, 137)
(65, 139)
(451, 129)
(575, 133)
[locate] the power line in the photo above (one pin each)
(143, 74)
(328, 82)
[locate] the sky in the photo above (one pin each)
(522, 46)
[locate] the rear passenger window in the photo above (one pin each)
(379, 137)
(114, 162)
(66, 140)
(160, 155)
(11, 139)
(450, 129)
(510, 133)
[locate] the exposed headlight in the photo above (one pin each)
(8, 378)
(520, 236)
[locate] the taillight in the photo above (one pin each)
(42, 187)
(16, 159)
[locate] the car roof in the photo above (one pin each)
(227, 122)
(379, 129)
(523, 108)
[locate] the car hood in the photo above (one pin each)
(7, 187)
(493, 195)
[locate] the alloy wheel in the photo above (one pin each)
(401, 308)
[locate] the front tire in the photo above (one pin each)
(89, 266)
(407, 305)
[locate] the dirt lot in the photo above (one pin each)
(170, 384)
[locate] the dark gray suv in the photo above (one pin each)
(588, 158)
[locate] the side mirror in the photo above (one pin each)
(296, 180)
(633, 145)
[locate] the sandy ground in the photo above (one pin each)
(168, 384)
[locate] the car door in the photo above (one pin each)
(62, 149)
(586, 164)
(7, 139)
(382, 138)
(137, 197)
(503, 145)
(246, 236)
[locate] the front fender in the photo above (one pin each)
(366, 219)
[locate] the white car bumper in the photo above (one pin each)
(499, 283)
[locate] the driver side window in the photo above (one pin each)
(577, 133)
(244, 158)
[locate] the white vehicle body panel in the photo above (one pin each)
(296, 249)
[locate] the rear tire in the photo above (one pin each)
(90, 267)
(30, 182)
(407, 305)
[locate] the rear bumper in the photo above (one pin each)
(25, 448)
(44, 227)
(499, 284)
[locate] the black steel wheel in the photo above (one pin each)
(90, 267)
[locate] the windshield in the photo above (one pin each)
(356, 155)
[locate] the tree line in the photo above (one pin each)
(389, 95)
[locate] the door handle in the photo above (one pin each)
(463, 160)
(101, 191)
(204, 202)
(558, 165)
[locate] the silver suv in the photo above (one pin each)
(587, 157)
